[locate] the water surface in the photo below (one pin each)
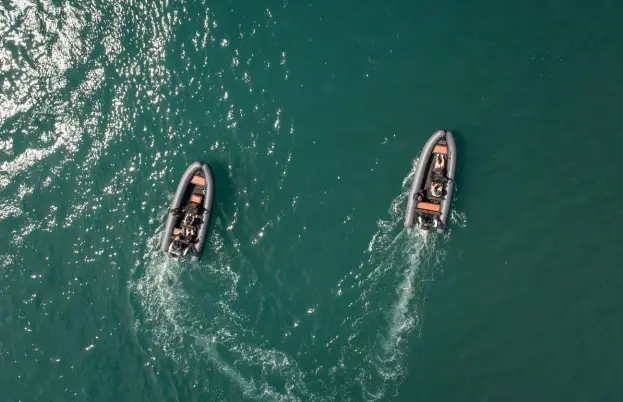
(311, 115)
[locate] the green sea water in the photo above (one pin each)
(311, 115)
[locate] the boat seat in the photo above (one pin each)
(177, 231)
(440, 149)
(428, 206)
(195, 198)
(198, 181)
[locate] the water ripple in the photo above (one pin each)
(101, 107)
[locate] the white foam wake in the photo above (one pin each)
(214, 336)
(384, 299)
(389, 290)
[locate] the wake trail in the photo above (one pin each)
(383, 317)
(194, 333)
(386, 314)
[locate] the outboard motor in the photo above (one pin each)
(174, 249)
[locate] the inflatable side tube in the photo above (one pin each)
(207, 211)
(445, 208)
(419, 176)
(177, 202)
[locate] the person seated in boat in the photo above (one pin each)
(192, 213)
(191, 217)
(436, 189)
(440, 162)
(189, 233)
(188, 219)
(183, 238)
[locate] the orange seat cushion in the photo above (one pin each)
(196, 199)
(199, 181)
(440, 149)
(427, 206)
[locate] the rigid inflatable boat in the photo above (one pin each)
(428, 205)
(189, 217)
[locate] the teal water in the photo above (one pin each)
(311, 115)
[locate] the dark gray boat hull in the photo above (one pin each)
(420, 173)
(177, 203)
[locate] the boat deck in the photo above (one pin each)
(430, 204)
(194, 195)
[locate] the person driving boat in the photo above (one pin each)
(436, 189)
(189, 233)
